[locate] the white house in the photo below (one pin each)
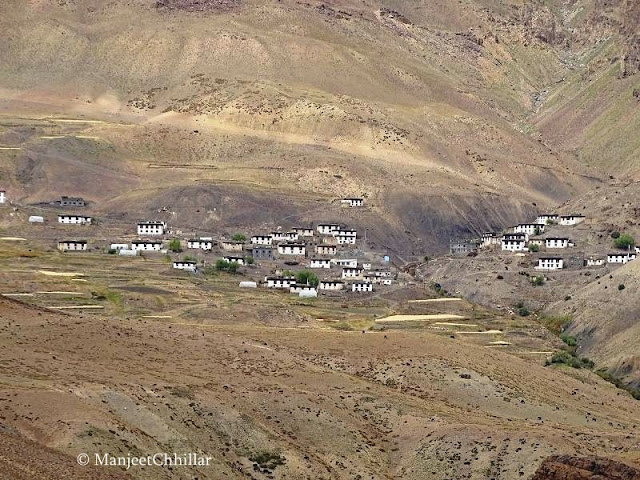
(72, 245)
(345, 262)
(74, 219)
(331, 285)
(594, 262)
(353, 202)
(550, 263)
(571, 219)
(320, 263)
(557, 242)
(152, 228)
(299, 288)
(126, 252)
(146, 245)
(351, 272)
(362, 287)
(621, 257)
(284, 236)
(489, 239)
(280, 282)
(515, 242)
(248, 284)
(233, 258)
(186, 265)
(292, 249)
(303, 231)
(200, 244)
(328, 228)
(3, 196)
(36, 219)
(261, 239)
(326, 249)
(529, 228)
(118, 246)
(547, 218)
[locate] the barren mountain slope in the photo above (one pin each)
(332, 404)
(327, 97)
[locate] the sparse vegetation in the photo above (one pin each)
(617, 381)
(556, 323)
(268, 460)
(570, 359)
(534, 247)
(522, 309)
(568, 339)
(226, 266)
(239, 237)
(538, 280)
(249, 260)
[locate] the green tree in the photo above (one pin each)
(307, 278)
(534, 247)
(175, 245)
(239, 237)
(249, 260)
(287, 273)
(538, 280)
(233, 267)
(222, 264)
(624, 241)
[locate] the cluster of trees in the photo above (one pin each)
(623, 241)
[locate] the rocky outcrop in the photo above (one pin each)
(566, 467)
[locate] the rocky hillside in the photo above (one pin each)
(564, 467)
(469, 111)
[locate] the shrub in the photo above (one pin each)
(112, 251)
(621, 287)
(268, 460)
(615, 234)
(624, 241)
(226, 266)
(568, 339)
(175, 245)
(534, 247)
(239, 237)
(522, 309)
(500, 277)
(571, 360)
(538, 280)
(249, 260)
(189, 258)
(556, 323)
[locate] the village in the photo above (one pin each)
(302, 260)
(539, 240)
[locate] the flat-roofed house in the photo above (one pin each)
(284, 236)
(303, 231)
(489, 239)
(118, 246)
(326, 249)
(571, 219)
(352, 201)
(146, 245)
(200, 244)
(262, 253)
(72, 202)
(557, 242)
(529, 228)
(333, 285)
(72, 245)
(550, 263)
(515, 242)
(74, 219)
(345, 262)
(362, 287)
(231, 246)
(351, 272)
(547, 218)
(3, 196)
(320, 263)
(623, 258)
(292, 249)
(261, 240)
(234, 258)
(186, 265)
(594, 261)
(327, 228)
(152, 228)
(280, 282)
